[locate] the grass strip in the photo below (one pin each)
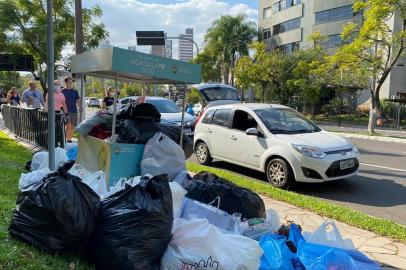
(349, 216)
(15, 254)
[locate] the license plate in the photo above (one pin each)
(346, 164)
(187, 130)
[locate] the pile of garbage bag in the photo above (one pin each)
(163, 218)
(293, 252)
(137, 123)
(134, 226)
(206, 187)
(56, 214)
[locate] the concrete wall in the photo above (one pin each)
(319, 5)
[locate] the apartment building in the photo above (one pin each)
(287, 24)
(186, 45)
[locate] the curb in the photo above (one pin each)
(372, 138)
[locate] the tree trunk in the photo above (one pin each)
(372, 120)
(372, 114)
(263, 92)
(340, 105)
(226, 73)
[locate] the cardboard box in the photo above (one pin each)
(117, 160)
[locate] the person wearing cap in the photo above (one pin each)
(72, 100)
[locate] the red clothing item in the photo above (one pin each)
(100, 132)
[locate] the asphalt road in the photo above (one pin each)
(379, 189)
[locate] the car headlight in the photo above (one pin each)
(353, 147)
(189, 123)
(309, 151)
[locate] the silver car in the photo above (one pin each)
(169, 112)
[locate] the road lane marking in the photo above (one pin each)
(383, 167)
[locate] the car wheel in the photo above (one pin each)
(203, 154)
(279, 174)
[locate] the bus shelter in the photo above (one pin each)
(121, 64)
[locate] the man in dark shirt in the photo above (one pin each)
(72, 100)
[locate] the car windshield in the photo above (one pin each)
(220, 93)
(286, 121)
(164, 106)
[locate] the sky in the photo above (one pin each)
(123, 17)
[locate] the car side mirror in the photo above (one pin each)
(252, 132)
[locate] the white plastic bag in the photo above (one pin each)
(196, 244)
(178, 194)
(274, 220)
(329, 235)
(214, 215)
(40, 160)
(30, 178)
(95, 180)
(162, 156)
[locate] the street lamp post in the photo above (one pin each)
(50, 70)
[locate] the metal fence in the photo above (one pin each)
(32, 125)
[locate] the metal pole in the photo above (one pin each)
(113, 131)
(182, 124)
(51, 90)
(79, 49)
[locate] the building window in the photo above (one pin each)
(284, 4)
(267, 33)
(336, 14)
(267, 12)
(286, 26)
(289, 48)
(333, 41)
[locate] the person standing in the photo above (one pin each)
(32, 97)
(59, 99)
(72, 100)
(13, 98)
(109, 99)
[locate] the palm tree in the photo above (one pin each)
(229, 38)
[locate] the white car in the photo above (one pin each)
(93, 102)
(197, 108)
(276, 140)
(168, 110)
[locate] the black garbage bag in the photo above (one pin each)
(134, 226)
(136, 131)
(57, 214)
(173, 132)
(143, 111)
(206, 187)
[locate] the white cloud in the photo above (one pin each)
(123, 17)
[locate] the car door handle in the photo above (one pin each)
(233, 138)
(209, 131)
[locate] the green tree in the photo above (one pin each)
(228, 39)
(23, 26)
(193, 96)
(305, 78)
(8, 79)
(375, 46)
(131, 89)
(211, 71)
(255, 70)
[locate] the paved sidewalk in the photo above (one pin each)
(357, 128)
(390, 254)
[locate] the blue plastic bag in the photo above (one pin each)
(318, 257)
(71, 150)
(280, 252)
